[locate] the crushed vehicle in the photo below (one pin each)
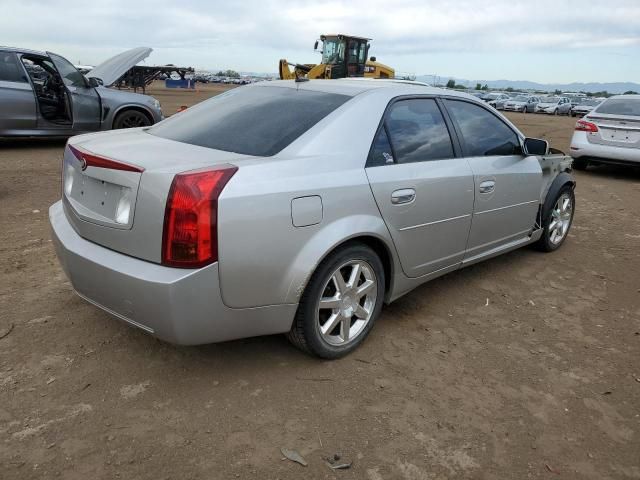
(43, 94)
(300, 208)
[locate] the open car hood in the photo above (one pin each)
(112, 69)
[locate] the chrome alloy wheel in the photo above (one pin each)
(560, 219)
(347, 302)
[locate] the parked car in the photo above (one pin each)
(554, 105)
(584, 107)
(522, 103)
(610, 133)
(497, 100)
(269, 209)
(43, 94)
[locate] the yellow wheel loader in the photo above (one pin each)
(342, 56)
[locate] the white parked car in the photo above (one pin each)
(610, 133)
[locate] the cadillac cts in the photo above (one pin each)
(299, 208)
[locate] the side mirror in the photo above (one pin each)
(315, 45)
(94, 82)
(535, 146)
(373, 59)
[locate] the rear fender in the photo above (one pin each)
(330, 237)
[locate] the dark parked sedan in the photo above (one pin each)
(43, 94)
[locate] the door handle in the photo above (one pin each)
(405, 195)
(487, 186)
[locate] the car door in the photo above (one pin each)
(422, 186)
(17, 100)
(507, 183)
(85, 101)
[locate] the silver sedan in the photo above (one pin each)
(299, 208)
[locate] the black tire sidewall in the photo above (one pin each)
(545, 241)
(309, 303)
(119, 118)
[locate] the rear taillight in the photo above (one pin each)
(190, 234)
(584, 126)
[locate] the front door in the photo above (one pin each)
(424, 192)
(17, 100)
(85, 101)
(507, 183)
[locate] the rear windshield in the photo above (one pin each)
(258, 121)
(620, 106)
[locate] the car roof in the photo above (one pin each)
(356, 86)
(22, 50)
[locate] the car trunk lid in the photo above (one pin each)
(616, 130)
(115, 186)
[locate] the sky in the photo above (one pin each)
(547, 41)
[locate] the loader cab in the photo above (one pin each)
(344, 56)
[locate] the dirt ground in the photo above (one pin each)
(525, 366)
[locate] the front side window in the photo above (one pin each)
(10, 70)
(418, 131)
(483, 133)
(70, 76)
(251, 120)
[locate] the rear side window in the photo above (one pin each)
(620, 106)
(258, 121)
(381, 152)
(10, 70)
(483, 133)
(418, 132)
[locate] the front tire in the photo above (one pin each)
(557, 220)
(340, 304)
(131, 119)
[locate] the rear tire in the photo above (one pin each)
(131, 119)
(557, 220)
(580, 164)
(339, 324)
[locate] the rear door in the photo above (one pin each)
(17, 100)
(507, 183)
(424, 190)
(85, 101)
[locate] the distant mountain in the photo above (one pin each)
(612, 87)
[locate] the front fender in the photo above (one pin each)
(327, 239)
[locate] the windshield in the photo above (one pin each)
(521, 98)
(492, 96)
(620, 106)
(589, 103)
(251, 120)
(549, 100)
(332, 51)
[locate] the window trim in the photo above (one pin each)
(464, 148)
(457, 150)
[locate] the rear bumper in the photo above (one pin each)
(176, 305)
(582, 148)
